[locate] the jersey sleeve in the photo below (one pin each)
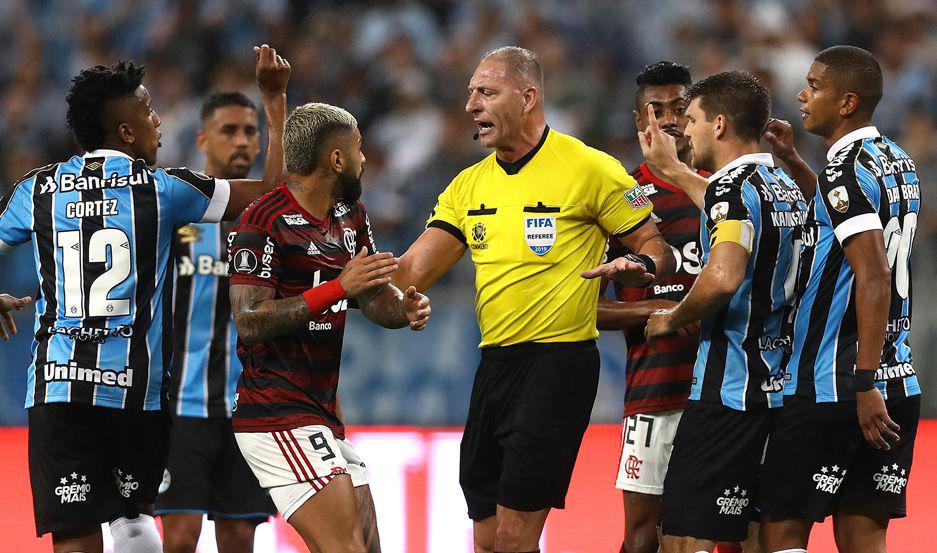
(847, 191)
(621, 205)
(15, 218)
(445, 216)
(728, 218)
(196, 198)
(253, 256)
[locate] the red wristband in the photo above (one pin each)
(323, 296)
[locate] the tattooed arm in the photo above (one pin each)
(391, 308)
(260, 318)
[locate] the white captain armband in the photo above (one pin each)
(731, 230)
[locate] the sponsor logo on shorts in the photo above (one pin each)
(126, 484)
(313, 325)
(167, 481)
(892, 479)
(73, 488)
(733, 501)
(633, 467)
(829, 479)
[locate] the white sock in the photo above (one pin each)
(792, 551)
(136, 535)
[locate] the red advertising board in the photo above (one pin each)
(414, 479)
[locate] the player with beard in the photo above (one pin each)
(299, 257)
(206, 473)
(658, 381)
(751, 213)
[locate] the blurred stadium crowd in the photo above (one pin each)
(401, 68)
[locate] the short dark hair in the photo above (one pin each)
(223, 99)
(90, 95)
(854, 70)
(663, 73)
(739, 96)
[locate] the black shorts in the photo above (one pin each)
(207, 474)
(530, 407)
(89, 465)
(821, 462)
(711, 483)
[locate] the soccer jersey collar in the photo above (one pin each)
(760, 158)
(104, 152)
(859, 134)
(515, 168)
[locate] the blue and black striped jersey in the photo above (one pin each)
(742, 345)
(869, 184)
(205, 367)
(101, 226)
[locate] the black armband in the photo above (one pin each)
(865, 380)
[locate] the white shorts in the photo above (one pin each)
(295, 464)
(646, 444)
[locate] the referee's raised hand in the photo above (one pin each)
(7, 304)
(364, 272)
(272, 71)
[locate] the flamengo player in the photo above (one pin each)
(658, 382)
(101, 225)
(294, 271)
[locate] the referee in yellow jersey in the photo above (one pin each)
(535, 215)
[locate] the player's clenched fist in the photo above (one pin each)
(7, 304)
(272, 72)
(417, 307)
(364, 272)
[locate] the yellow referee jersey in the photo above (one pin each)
(532, 226)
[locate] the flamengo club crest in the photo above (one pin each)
(540, 233)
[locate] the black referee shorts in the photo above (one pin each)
(530, 407)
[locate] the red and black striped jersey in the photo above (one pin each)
(659, 380)
(292, 381)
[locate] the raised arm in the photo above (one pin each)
(780, 136)
(429, 258)
(273, 74)
(660, 150)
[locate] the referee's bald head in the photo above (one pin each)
(522, 64)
